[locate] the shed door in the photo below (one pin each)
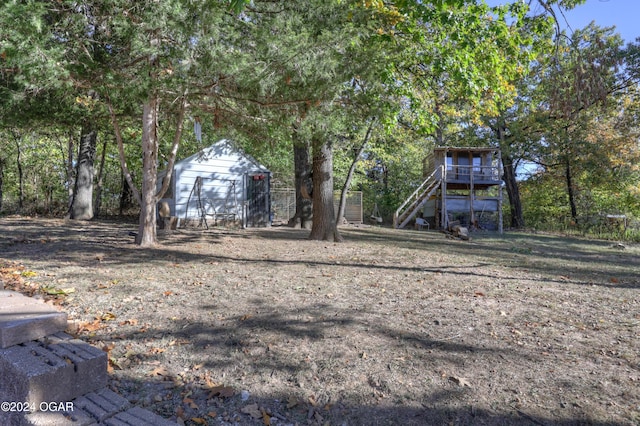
(258, 200)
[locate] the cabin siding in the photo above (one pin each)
(461, 185)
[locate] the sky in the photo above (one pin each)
(624, 14)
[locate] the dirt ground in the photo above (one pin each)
(263, 326)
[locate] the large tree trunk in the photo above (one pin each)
(509, 177)
(352, 168)
(148, 197)
(324, 218)
(82, 204)
(99, 183)
(147, 235)
(513, 192)
(570, 190)
(303, 185)
(69, 169)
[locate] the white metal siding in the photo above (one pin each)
(218, 166)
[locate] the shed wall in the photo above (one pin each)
(223, 171)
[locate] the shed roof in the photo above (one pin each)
(465, 149)
(216, 149)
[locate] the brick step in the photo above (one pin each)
(99, 408)
(55, 368)
(23, 319)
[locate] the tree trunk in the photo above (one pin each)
(324, 218)
(347, 183)
(69, 169)
(147, 235)
(2, 162)
(99, 183)
(82, 204)
(302, 169)
(570, 190)
(126, 196)
(148, 197)
(509, 177)
(513, 192)
(16, 137)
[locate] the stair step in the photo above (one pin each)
(137, 416)
(55, 368)
(54, 379)
(103, 407)
(23, 319)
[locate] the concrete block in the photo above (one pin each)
(50, 418)
(102, 404)
(56, 368)
(23, 319)
(137, 416)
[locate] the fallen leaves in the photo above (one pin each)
(54, 291)
(90, 327)
(292, 402)
(14, 276)
(190, 402)
(221, 392)
(160, 371)
(257, 413)
(107, 316)
(252, 410)
(460, 381)
(112, 363)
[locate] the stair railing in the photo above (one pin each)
(420, 192)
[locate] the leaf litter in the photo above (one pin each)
(266, 327)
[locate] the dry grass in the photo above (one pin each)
(390, 327)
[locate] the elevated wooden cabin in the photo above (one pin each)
(462, 185)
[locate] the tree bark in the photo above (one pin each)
(126, 196)
(2, 162)
(352, 168)
(147, 235)
(99, 183)
(147, 198)
(303, 185)
(324, 226)
(513, 192)
(69, 169)
(134, 193)
(511, 183)
(570, 190)
(16, 138)
(82, 203)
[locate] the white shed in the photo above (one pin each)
(220, 183)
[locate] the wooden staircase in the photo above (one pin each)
(412, 205)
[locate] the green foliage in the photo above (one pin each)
(42, 164)
(262, 72)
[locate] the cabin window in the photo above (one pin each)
(477, 164)
(449, 161)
